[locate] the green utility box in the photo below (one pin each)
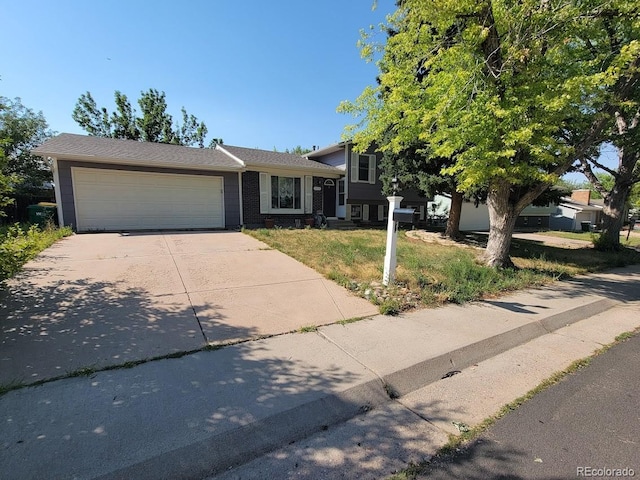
(42, 213)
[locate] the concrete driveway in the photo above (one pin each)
(107, 299)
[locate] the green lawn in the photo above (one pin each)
(634, 241)
(431, 274)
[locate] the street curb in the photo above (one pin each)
(236, 447)
(424, 373)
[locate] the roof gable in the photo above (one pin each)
(578, 206)
(254, 158)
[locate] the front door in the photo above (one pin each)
(329, 198)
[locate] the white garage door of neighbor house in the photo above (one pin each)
(125, 200)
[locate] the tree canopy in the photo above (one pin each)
(513, 92)
(154, 124)
(22, 129)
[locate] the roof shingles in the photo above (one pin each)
(69, 146)
(253, 157)
(83, 147)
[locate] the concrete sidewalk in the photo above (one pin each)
(205, 413)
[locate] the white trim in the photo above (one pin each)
(231, 155)
(355, 163)
(264, 187)
(265, 194)
(341, 181)
(240, 205)
(56, 190)
(346, 182)
(145, 163)
(355, 168)
(365, 212)
(372, 169)
(308, 194)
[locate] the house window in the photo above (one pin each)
(356, 212)
(341, 192)
(286, 193)
(363, 168)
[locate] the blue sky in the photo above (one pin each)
(259, 74)
(259, 77)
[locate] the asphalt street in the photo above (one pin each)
(586, 426)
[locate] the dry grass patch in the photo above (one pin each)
(430, 274)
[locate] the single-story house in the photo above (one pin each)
(359, 189)
(572, 212)
(105, 184)
(476, 217)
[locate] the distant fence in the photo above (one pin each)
(17, 212)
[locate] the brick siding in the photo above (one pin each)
(251, 204)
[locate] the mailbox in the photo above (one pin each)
(404, 215)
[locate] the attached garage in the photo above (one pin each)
(131, 200)
(106, 184)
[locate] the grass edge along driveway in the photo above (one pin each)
(432, 274)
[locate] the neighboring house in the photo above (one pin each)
(358, 192)
(104, 184)
(476, 217)
(573, 212)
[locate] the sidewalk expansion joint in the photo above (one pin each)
(388, 389)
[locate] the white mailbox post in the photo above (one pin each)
(389, 274)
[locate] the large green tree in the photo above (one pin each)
(154, 124)
(22, 129)
(513, 90)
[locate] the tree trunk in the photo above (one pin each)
(612, 217)
(502, 221)
(615, 200)
(453, 223)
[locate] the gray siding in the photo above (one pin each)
(359, 193)
(231, 198)
(335, 159)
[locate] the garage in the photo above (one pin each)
(132, 200)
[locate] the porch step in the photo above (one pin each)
(337, 224)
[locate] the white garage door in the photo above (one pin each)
(123, 200)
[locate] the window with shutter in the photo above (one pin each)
(363, 168)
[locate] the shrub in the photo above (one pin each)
(19, 244)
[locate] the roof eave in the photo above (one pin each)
(318, 171)
(135, 162)
(336, 147)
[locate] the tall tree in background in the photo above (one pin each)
(22, 129)
(298, 150)
(516, 90)
(617, 185)
(154, 124)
